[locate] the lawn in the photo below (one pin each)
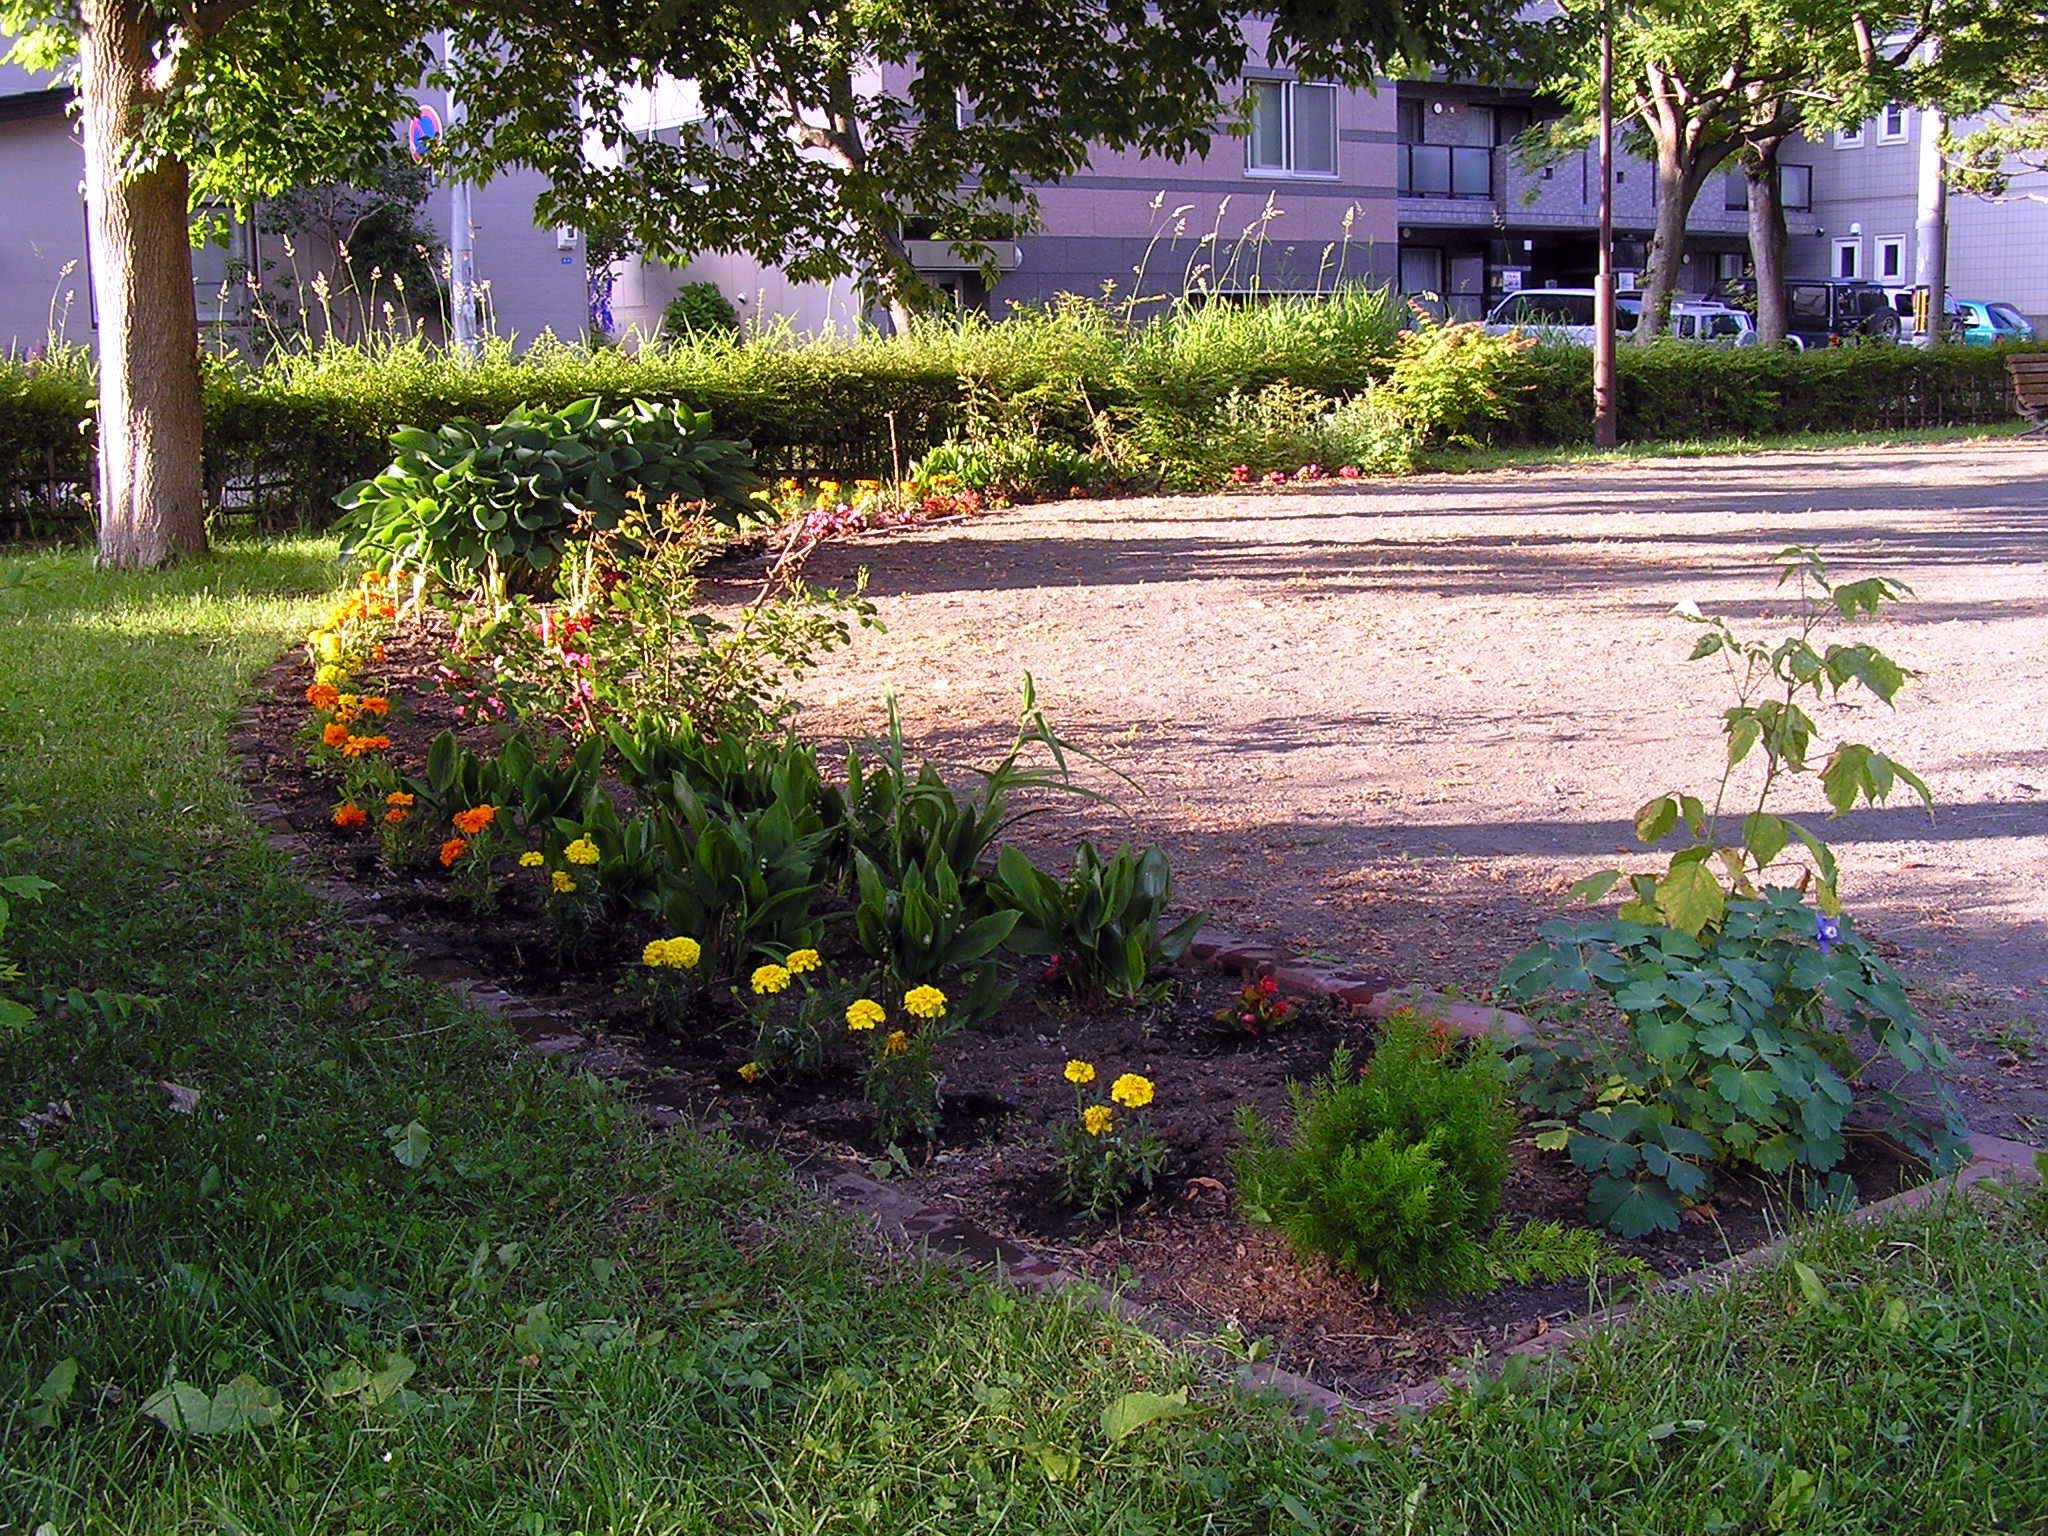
(418, 1282)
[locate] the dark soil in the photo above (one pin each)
(1183, 1250)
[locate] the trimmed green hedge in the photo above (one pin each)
(283, 439)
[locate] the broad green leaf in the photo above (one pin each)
(1765, 836)
(243, 1404)
(1593, 887)
(1654, 818)
(1134, 1410)
(410, 1143)
(1689, 897)
(1811, 1285)
(1632, 1209)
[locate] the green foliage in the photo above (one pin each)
(1102, 924)
(46, 441)
(502, 502)
(698, 309)
(1452, 385)
(1393, 1172)
(1107, 1153)
(1010, 467)
(1774, 683)
(921, 928)
(1539, 1252)
(1739, 1049)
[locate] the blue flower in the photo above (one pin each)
(1827, 931)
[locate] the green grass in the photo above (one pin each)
(615, 1331)
(1473, 462)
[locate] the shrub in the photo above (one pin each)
(1725, 975)
(46, 413)
(502, 502)
(699, 309)
(1451, 385)
(1393, 1172)
(1101, 927)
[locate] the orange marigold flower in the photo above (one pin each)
(475, 819)
(350, 815)
(398, 797)
(376, 704)
(452, 850)
(344, 715)
(334, 734)
(322, 695)
(395, 815)
(377, 652)
(359, 746)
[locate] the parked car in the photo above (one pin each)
(1905, 304)
(1822, 313)
(1720, 324)
(1559, 314)
(1986, 324)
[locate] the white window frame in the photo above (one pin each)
(1287, 172)
(1849, 138)
(1884, 130)
(1855, 248)
(1890, 242)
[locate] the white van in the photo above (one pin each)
(1566, 314)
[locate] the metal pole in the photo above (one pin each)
(1930, 255)
(1606, 424)
(461, 239)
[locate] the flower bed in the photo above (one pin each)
(1044, 1080)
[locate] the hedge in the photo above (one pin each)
(282, 439)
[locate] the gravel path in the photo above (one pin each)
(1392, 722)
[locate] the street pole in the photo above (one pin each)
(1606, 425)
(1930, 234)
(461, 239)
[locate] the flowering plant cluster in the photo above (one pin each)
(900, 1077)
(1107, 1151)
(1307, 474)
(1259, 1009)
(348, 709)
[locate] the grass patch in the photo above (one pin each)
(609, 1330)
(1481, 460)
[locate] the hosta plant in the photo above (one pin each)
(501, 502)
(922, 928)
(1101, 926)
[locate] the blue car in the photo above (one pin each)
(1986, 323)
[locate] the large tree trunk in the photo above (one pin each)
(1667, 244)
(152, 509)
(1767, 240)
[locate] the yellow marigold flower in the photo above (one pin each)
(1079, 1072)
(1095, 1119)
(897, 1043)
(801, 960)
(326, 645)
(330, 675)
(676, 954)
(348, 701)
(1132, 1091)
(749, 1071)
(531, 859)
(925, 1003)
(582, 851)
(769, 979)
(562, 881)
(864, 1014)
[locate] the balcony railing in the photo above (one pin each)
(1443, 170)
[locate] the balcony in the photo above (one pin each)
(1450, 184)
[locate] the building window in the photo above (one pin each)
(1408, 121)
(1294, 129)
(1728, 266)
(1849, 138)
(1795, 187)
(1422, 269)
(1894, 125)
(1848, 259)
(1891, 258)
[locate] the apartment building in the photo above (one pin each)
(537, 276)
(1866, 186)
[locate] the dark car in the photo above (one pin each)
(1826, 314)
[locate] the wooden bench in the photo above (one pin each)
(2030, 388)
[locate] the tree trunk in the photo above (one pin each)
(1667, 244)
(152, 509)
(1767, 240)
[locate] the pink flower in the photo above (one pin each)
(1276, 477)
(1348, 472)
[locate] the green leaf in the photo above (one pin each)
(1765, 836)
(1134, 1410)
(1655, 818)
(243, 1404)
(1593, 887)
(1060, 1466)
(1632, 1208)
(1689, 898)
(410, 1143)
(1810, 1285)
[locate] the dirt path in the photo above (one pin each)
(1392, 723)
